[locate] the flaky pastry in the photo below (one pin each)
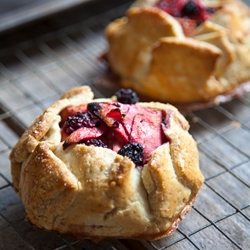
(182, 52)
(76, 174)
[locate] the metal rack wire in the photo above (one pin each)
(36, 71)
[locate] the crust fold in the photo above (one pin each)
(92, 192)
(150, 53)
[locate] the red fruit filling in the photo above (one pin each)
(127, 129)
(186, 9)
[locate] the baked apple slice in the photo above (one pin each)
(115, 125)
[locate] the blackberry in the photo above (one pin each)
(95, 142)
(134, 151)
(126, 96)
(80, 119)
(190, 9)
(94, 108)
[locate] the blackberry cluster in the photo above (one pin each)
(95, 142)
(80, 119)
(134, 151)
(126, 96)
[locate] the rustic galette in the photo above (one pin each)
(182, 52)
(107, 168)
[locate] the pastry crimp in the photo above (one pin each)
(181, 52)
(98, 168)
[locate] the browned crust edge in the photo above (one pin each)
(237, 92)
(150, 237)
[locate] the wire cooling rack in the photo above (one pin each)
(41, 62)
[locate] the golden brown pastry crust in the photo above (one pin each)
(92, 192)
(151, 54)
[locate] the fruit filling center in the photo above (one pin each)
(127, 129)
(189, 13)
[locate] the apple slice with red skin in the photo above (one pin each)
(112, 115)
(133, 123)
(121, 124)
(83, 133)
(147, 130)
